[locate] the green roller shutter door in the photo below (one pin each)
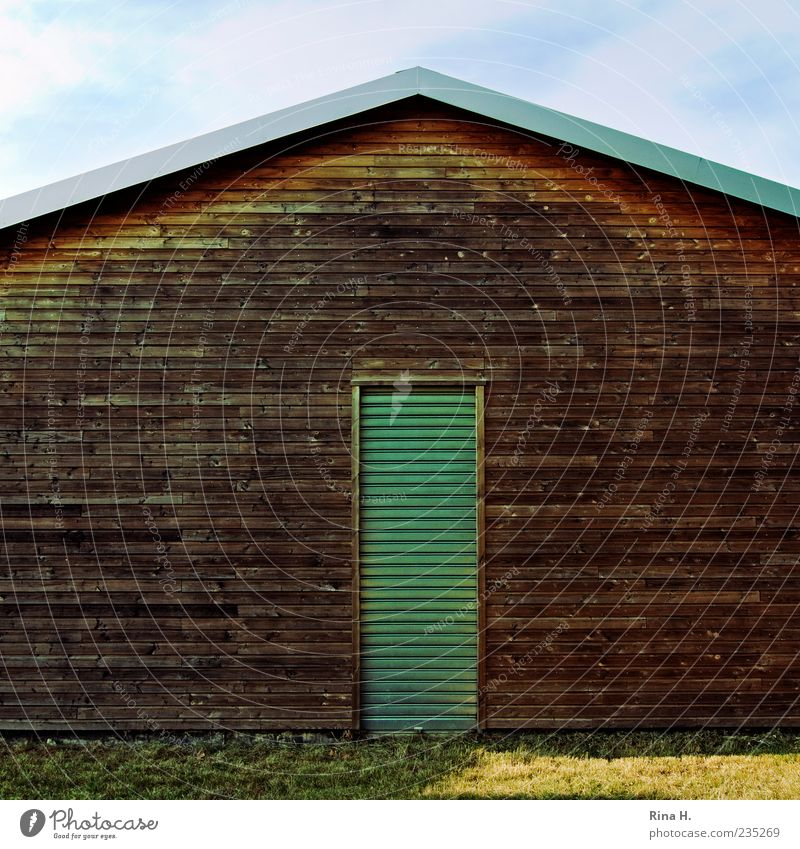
(418, 559)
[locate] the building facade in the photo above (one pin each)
(408, 415)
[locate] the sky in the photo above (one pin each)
(87, 83)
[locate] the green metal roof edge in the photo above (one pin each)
(615, 143)
(510, 110)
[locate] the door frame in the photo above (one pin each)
(478, 382)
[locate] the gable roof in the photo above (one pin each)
(390, 89)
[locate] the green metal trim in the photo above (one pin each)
(588, 135)
(140, 170)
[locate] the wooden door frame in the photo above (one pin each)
(355, 519)
(478, 382)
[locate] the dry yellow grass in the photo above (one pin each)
(503, 775)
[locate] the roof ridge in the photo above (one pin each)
(506, 108)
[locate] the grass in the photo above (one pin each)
(641, 765)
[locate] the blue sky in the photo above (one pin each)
(86, 83)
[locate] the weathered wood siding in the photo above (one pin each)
(176, 402)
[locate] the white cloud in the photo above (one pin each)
(702, 79)
(256, 58)
(86, 83)
(41, 60)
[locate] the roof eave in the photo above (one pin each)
(143, 168)
(597, 138)
(512, 111)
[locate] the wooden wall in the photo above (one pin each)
(175, 467)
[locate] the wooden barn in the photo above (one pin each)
(412, 407)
